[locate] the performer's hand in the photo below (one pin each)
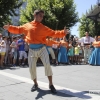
(66, 30)
(6, 27)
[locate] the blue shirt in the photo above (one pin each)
(22, 46)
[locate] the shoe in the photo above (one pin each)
(23, 64)
(14, 65)
(2, 67)
(34, 88)
(52, 88)
(54, 64)
(20, 64)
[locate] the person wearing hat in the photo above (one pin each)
(35, 35)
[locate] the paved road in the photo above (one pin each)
(73, 82)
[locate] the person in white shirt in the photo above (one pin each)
(14, 50)
(2, 51)
(86, 41)
(0, 37)
(7, 51)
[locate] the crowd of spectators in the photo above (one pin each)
(14, 51)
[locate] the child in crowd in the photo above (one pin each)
(80, 53)
(76, 49)
(71, 52)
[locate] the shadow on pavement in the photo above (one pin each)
(63, 93)
(42, 93)
(80, 94)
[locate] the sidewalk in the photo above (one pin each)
(72, 83)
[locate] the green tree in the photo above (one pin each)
(7, 9)
(86, 24)
(58, 13)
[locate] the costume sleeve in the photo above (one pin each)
(16, 29)
(52, 33)
(81, 40)
(92, 39)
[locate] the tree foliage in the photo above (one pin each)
(87, 24)
(7, 8)
(58, 13)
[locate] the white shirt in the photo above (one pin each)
(54, 46)
(0, 41)
(86, 40)
(14, 44)
(3, 49)
(26, 47)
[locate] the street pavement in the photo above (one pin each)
(73, 82)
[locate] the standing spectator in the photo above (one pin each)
(17, 61)
(26, 50)
(0, 37)
(8, 42)
(76, 53)
(80, 53)
(55, 47)
(21, 49)
(74, 42)
(71, 52)
(86, 41)
(14, 50)
(49, 43)
(91, 46)
(2, 51)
